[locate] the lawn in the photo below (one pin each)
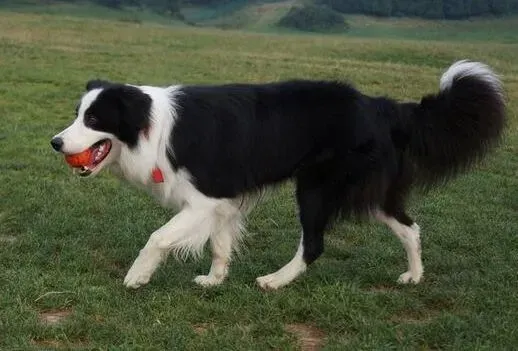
(66, 243)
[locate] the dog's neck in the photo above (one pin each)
(147, 164)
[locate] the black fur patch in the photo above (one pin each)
(358, 152)
(235, 139)
(119, 109)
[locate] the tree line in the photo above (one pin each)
(432, 9)
(167, 7)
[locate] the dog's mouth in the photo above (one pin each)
(87, 161)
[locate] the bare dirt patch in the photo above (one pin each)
(54, 317)
(310, 338)
(201, 328)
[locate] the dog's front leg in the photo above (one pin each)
(223, 240)
(185, 233)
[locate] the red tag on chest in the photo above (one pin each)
(157, 175)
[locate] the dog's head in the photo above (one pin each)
(109, 117)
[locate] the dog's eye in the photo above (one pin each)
(90, 119)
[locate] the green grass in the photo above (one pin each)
(66, 243)
(88, 9)
(501, 30)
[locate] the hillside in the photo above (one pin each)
(260, 15)
(264, 16)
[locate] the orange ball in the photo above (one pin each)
(79, 159)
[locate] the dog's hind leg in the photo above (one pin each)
(185, 233)
(409, 233)
(314, 214)
(222, 241)
(286, 274)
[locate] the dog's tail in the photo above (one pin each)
(453, 129)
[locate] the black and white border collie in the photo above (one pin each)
(208, 150)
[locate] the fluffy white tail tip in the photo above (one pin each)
(465, 68)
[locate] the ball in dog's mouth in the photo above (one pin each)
(86, 161)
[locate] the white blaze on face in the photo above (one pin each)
(78, 137)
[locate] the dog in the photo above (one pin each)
(210, 150)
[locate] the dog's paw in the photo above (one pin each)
(143, 268)
(410, 277)
(208, 280)
(136, 278)
(270, 282)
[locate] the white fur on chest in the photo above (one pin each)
(136, 165)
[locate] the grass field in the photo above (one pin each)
(66, 243)
(85, 10)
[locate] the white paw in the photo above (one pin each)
(270, 282)
(208, 280)
(410, 277)
(143, 268)
(283, 276)
(135, 278)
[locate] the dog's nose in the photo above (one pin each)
(57, 143)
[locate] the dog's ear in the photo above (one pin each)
(135, 105)
(97, 83)
(130, 109)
